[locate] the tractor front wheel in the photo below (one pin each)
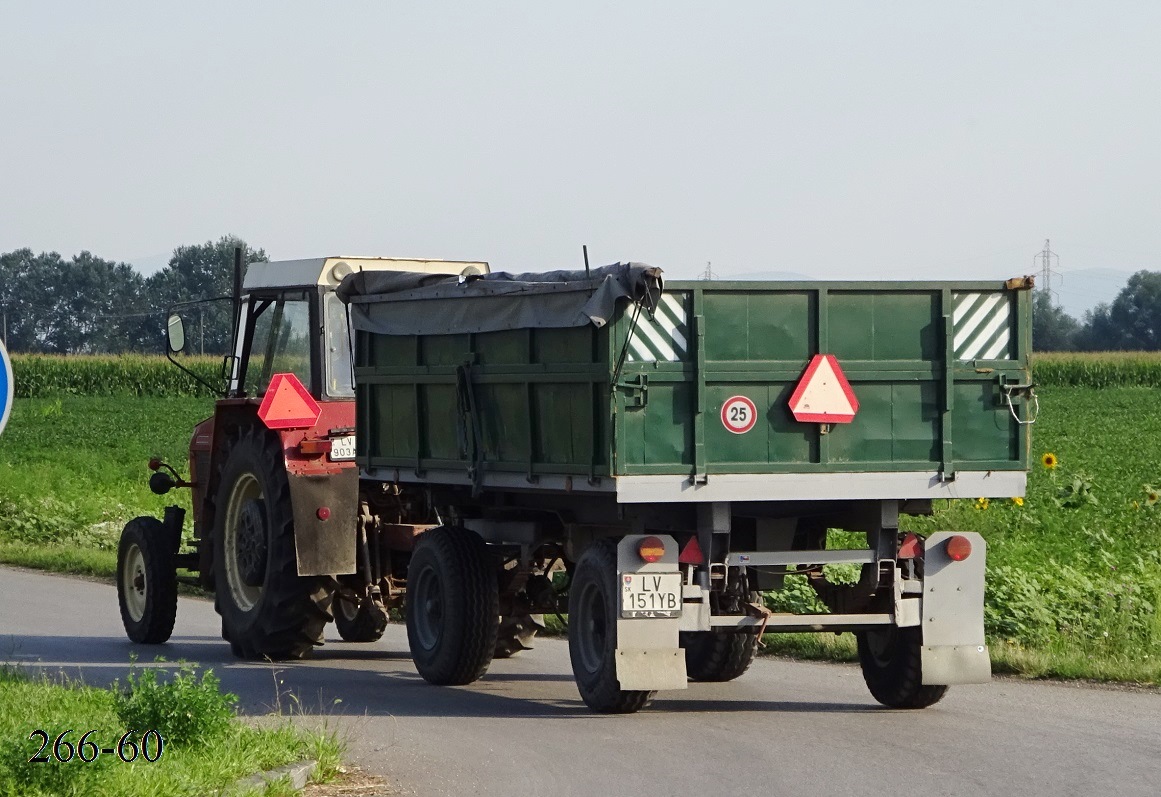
(268, 610)
(146, 581)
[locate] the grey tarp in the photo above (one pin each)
(407, 303)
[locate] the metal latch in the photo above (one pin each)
(638, 387)
(1028, 394)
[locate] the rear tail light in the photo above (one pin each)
(958, 548)
(651, 549)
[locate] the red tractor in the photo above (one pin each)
(281, 534)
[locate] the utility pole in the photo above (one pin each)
(1043, 261)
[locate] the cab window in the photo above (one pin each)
(280, 342)
(338, 348)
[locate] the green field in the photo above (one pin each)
(1074, 576)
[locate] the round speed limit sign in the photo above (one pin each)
(739, 414)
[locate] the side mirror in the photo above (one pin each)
(175, 333)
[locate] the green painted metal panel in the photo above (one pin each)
(984, 428)
(925, 360)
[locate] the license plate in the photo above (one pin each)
(342, 448)
(651, 594)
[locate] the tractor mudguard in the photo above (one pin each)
(325, 513)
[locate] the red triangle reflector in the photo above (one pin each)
(691, 554)
(288, 404)
(911, 548)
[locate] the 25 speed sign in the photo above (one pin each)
(739, 414)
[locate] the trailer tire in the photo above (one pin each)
(592, 634)
(717, 656)
(452, 606)
(146, 581)
(890, 660)
(283, 615)
(362, 622)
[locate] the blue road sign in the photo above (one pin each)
(6, 386)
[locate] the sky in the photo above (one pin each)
(837, 140)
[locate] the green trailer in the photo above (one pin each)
(652, 457)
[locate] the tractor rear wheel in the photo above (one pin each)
(146, 581)
(268, 610)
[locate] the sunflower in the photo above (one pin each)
(1018, 500)
(981, 503)
(1049, 461)
(1151, 496)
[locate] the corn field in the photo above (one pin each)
(1097, 369)
(47, 376)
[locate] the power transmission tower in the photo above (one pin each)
(708, 274)
(1043, 261)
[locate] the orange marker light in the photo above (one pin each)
(651, 549)
(958, 548)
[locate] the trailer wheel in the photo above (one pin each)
(362, 621)
(452, 606)
(592, 633)
(146, 581)
(890, 660)
(268, 610)
(718, 656)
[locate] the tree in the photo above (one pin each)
(88, 304)
(60, 306)
(198, 272)
(1131, 322)
(1052, 328)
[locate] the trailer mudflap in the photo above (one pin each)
(648, 655)
(954, 651)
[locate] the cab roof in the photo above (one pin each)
(329, 271)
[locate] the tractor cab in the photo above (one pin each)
(283, 301)
(272, 471)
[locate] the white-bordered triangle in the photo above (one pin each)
(824, 395)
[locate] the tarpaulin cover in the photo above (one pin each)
(407, 303)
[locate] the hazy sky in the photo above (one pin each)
(838, 140)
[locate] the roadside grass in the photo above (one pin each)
(202, 758)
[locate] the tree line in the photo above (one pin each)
(89, 305)
(1131, 322)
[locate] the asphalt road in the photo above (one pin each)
(783, 728)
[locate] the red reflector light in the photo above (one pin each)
(651, 549)
(691, 554)
(323, 513)
(910, 548)
(958, 548)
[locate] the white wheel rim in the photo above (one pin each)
(133, 582)
(246, 488)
